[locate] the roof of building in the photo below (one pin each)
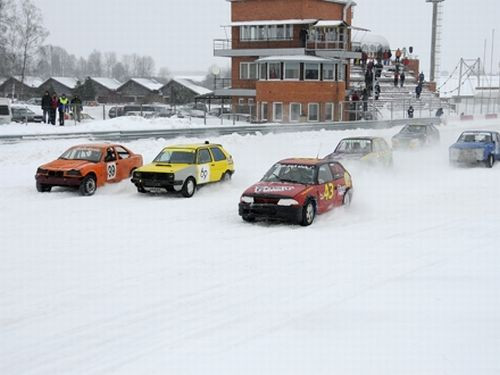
(69, 82)
(296, 58)
(109, 83)
(370, 42)
(329, 23)
(197, 89)
(3, 79)
(150, 84)
(272, 22)
(30, 81)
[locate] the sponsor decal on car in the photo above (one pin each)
(273, 189)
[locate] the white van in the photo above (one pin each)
(5, 111)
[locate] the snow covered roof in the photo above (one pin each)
(3, 79)
(272, 22)
(33, 82)
(110, 83)
(329, 23)
(150, 84)
(69, 82)
(370, 42)
(296, 58)
(199, 90)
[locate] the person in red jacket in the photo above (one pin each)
(54, 104)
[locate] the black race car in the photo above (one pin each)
(415, 136)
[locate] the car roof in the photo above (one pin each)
(363, 138)
(304, 161)
(193, 146)
(97, 145)
(480, 131)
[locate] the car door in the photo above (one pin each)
(219, 164)
(204, 161)
(124, 163)
(327, 191)
(111, 163)
(339, 180)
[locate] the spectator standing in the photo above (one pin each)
(411, 111)
(364, 59)
(377, 91)
(46, 107)
(54, 103)
(421, 78)
(378, 69)
(396, 79)
(402, 79)
(62, 105)
(76, 106)
(398, 55)
(364, 98)
(418, 91)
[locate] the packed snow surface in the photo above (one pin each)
(405, 281)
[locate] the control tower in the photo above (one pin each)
(437, 24)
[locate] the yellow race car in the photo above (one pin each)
(182, 168)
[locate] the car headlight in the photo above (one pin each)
(74, 172)
(41, 171)
(247, 199)
(288, 202)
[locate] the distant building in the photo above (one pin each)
(13, 88)
(60, 85)
(290, 58)
(141, 90)
(182, 91)
(106, 89)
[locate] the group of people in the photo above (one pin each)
(51, 105)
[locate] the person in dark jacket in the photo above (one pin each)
(76, 107)
(421, 78)
(418, 91)
(46, 107)
(364, 98)
(377, 91)
(402, 79)
(396, 79)
(54, 103)
(439, 112)
(411, 111)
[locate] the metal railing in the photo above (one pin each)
(313, 45)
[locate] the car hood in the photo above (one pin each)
(276, 189)
(346, 156)
(408, 136)
(66, 165)
(163, 167)
(470, 145)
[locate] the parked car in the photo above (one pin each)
(416, 136)
(296, 190)
(476, 146)
(87, 167)
(115, 112)
(5, 111)
(35, 101)
(183, 168)
(372, 150)
(23, 114)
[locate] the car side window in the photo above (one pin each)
(204, 156)
(324, 174)
(110, 155)
(218, 154)
(122, 153)
(337, 171)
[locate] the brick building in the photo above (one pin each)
(290, 58)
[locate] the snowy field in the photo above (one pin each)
(405, 281)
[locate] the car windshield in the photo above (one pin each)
(414, 129)
(291, 173)
(22, 111)
(355, 146)
(175, 157)
(89, 154)
(475, 138)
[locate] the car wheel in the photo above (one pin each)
(248, 219)
(88, 186)
(347, 198)
(189, 187)
(41, 188)
(490, 162)
(141, 190)
(226, 176)
(308, 214)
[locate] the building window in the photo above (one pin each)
(313, 112)
(295, 111)
(328, 111)
(263, 111)
(311, 72)
(263, 71)
(278, 112)
(292, 71)
(274, 71)
(266, 32)
(341, 72)
(328, 72)
(248, 70)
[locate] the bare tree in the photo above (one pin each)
(164, 72)
(94, 64)
(110, 61)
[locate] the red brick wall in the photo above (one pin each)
(295, 43)
(251, 10)
(235, 73)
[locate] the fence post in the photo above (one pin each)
(103, 112)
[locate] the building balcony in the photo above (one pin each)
(230, 48)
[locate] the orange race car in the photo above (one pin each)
(87, 167)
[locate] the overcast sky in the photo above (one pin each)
(178, 34)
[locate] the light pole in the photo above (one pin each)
(436, 37)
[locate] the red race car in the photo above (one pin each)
(87, 167)
(296, 190)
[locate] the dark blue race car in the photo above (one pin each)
(475, 147)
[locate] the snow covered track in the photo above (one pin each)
(129, 135)
(405, 281)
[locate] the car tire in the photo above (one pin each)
(248, 219)
(141, 190)
(308, 214)
(226, 176)
(347, 198)
(490, 162)
(189, 187)
(88, 186)
(42, 188)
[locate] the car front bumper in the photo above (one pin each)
(270, 211)
(152, 183)
(58, 181)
